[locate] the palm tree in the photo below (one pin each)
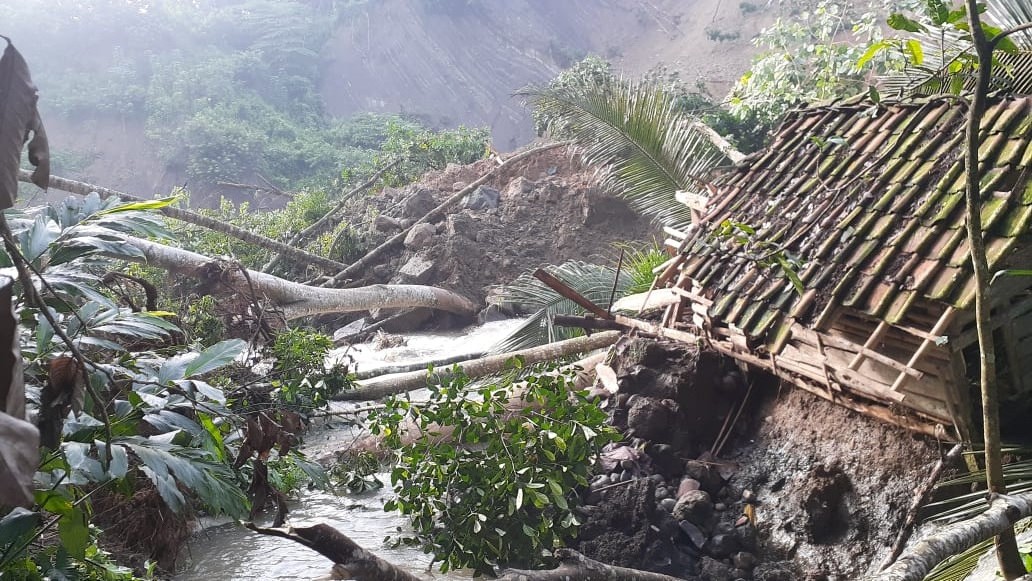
(645, 148)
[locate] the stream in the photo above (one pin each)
(226, 550)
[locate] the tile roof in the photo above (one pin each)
(872, 205)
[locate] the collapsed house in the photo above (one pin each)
(864, 204)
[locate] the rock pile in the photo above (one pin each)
(652, 508)
(544, 210)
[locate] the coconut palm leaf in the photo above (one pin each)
(592, 281)
(644, 148)
(1018, 478)
(945, 44)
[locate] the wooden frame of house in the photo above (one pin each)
(868, 200)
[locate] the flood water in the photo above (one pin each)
(228, 551)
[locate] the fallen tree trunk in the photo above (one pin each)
(1003, 512)
(420, 366)
(294, 299)
(400, 383)
(576, 567)
(302, 257)
(434, 214)
(350, 560)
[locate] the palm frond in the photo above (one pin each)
(1018, 478)
(944, 44)
(645, 149)
(1010, 14)
(593, 281)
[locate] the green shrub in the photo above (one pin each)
(301, 376)
(503, 488)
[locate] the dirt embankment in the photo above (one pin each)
(544, 210)
(801, 490)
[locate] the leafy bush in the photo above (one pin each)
(357, 472)
(493, 477)
(302, 378)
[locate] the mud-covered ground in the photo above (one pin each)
(801, 489)
(543, 210)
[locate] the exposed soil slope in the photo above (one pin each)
(453, 62)
(545, 210)
(802, 490)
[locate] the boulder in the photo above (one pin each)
(651, 419)
(420, 236)
(416, 271)
(461, 224)
(386, 224)
(351, 329)
(418, 204)
(483, 198)
(459, 186)
(518, 186)
(694, 506)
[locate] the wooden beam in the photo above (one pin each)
(937, 330)
(564, 289)
(868, 345)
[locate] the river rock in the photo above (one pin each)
(416, 271)
(694, 533)
(418, 204)
(420, 236)
(687, 484)
(351, 329)
(667, 504)
(483, 198)
(695, 506)
(386, 224)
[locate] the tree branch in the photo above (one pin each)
(351, 560)
(222, 227)
(956, 538)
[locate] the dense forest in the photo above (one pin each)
(167, 353)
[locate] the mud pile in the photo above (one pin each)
(790, 487)
(545, 210)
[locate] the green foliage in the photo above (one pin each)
(637, 131)
(203, 322)
(937, 46)
(158, 421)
(502, 488)
(357, 472)
(529, 295)
(299, 367)
(424, 149)
(806, 61)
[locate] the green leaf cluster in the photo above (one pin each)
(492, 474)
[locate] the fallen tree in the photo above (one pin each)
(353, 562)
(574, 566)
(393, 384)
(350, 560)
(373, 255)
(220, 226)
(1003, 512)
(291, 299)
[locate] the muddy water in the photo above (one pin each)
(227, 551)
